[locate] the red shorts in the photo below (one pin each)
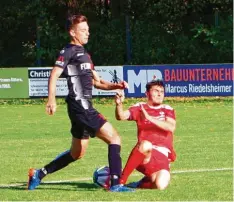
(158, 161)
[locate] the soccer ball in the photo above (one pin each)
(101, 177)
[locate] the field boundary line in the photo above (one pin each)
(201, 170)
(135, 174)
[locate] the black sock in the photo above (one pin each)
(56, 165)
(115, 163)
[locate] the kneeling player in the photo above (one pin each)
(154, 150)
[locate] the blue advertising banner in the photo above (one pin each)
(182, 80)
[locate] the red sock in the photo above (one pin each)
(145, 183)
(134, 160)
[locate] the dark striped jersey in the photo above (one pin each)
(77, 69)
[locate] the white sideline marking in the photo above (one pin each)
(201, 170)
(89, 178)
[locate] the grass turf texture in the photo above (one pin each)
(30, 138)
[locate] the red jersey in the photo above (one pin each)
(149, 131)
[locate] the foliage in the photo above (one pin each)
(162, 31)
(107, 45)
(168, 32)
(47, 36)
(218, 38)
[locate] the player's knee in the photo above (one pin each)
(115, 139)
(108, 134)
(162, 180)
(162, 185)
(145, 146)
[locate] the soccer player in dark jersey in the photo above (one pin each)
(154, 150)
(75, 64)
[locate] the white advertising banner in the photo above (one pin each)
(38, 80)
(113, 74)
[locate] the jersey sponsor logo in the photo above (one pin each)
(84, 66)
(60, 61)
(79, 54)
(161, 117)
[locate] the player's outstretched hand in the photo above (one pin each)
(124, 85)
(51, 107)
(119, 97)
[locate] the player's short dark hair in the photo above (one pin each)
(152, 83)
(75, 19)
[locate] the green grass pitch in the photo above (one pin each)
(203, 170)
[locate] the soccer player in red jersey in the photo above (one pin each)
(154, 150)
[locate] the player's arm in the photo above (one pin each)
(51, 103)
(105, 85)
(168, 125)
(120, 114)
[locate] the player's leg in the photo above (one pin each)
(77, 151)
(156, 171)
(79, 144)
(161, 179)
(140, 153)
(61, 154)
(109, 135)
(145, 183)
(78, 147)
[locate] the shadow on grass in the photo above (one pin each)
(67, 186)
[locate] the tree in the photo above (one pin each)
(162, 31)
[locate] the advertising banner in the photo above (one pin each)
(113, 74)
(182, 80)
(38, 82)
(13, 83)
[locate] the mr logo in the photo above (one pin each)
(142, 78)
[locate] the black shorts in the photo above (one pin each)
(85, 120)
